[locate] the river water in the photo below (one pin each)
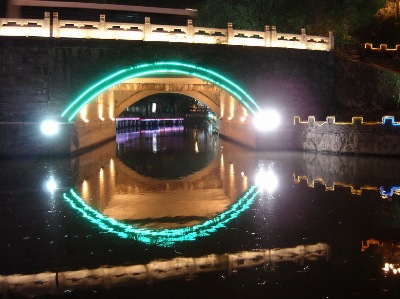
(179, 213)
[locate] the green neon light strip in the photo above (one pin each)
(160, 237)
(218, 76)
(158, 68)
(91, 95)
(90, 89)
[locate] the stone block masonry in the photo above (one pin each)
(356, 137)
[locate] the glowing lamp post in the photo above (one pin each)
(267, 120)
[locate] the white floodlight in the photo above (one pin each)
(267, 120)
(50, 127)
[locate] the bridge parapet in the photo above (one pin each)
(167, 33)
(26, 27)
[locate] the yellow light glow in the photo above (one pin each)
(83, 114)
(112, 168)
(111, 110)
(85, 190)
(100, 107)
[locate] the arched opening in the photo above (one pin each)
(160, 68)
(100, 105)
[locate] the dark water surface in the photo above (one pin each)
(177, 213)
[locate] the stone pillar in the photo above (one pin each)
(102, 27)
(56, 25)
(331, 41)
(303, 38)
(190, 31)
(267, 36)
(273, 36)
(147, 29)
(46, 25)
(230, 34)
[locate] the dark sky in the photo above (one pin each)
(163, 3)
(152, 3)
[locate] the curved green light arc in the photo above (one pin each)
(161, 68)
(161, 237)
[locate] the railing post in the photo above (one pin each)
(304, 38)
(267, 36)
(190, 31)
(147, 28)
(46, 25)
(102, 27)
(56, 25)
(230, 33)
(331, 41)
(273, 36)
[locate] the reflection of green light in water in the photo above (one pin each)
(161, 237)
(161, 68)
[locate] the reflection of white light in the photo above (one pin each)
(154, 143)
(50, 127)
(154, 107)
(51, 185)
(267, 120)
(266, 181)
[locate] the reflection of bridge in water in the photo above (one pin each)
(181, 267)
(359, 174)
(389, 251)
(160, 211)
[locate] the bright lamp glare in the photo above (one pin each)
(266, 181)
(50, 127)
(267, 120)
(51, 185)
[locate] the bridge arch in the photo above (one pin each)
(161, 68)
(134, 98)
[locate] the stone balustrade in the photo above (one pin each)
(167, 33)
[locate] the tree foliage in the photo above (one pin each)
(345, 18)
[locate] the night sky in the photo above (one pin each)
(33, 12)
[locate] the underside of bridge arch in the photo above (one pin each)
(132, 91)
(93, 114)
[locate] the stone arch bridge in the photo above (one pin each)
(44, 77)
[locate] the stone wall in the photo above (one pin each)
(356, 137)
(365, 89)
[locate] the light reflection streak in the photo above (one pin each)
(266, 180)
(330, 186)
(46, 283)
(161, 237)
(389, 251)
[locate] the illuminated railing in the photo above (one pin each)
(167, 33)
(357, 136)
(382, 47)
(330, 186)
(182, 267)
(356, 120)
